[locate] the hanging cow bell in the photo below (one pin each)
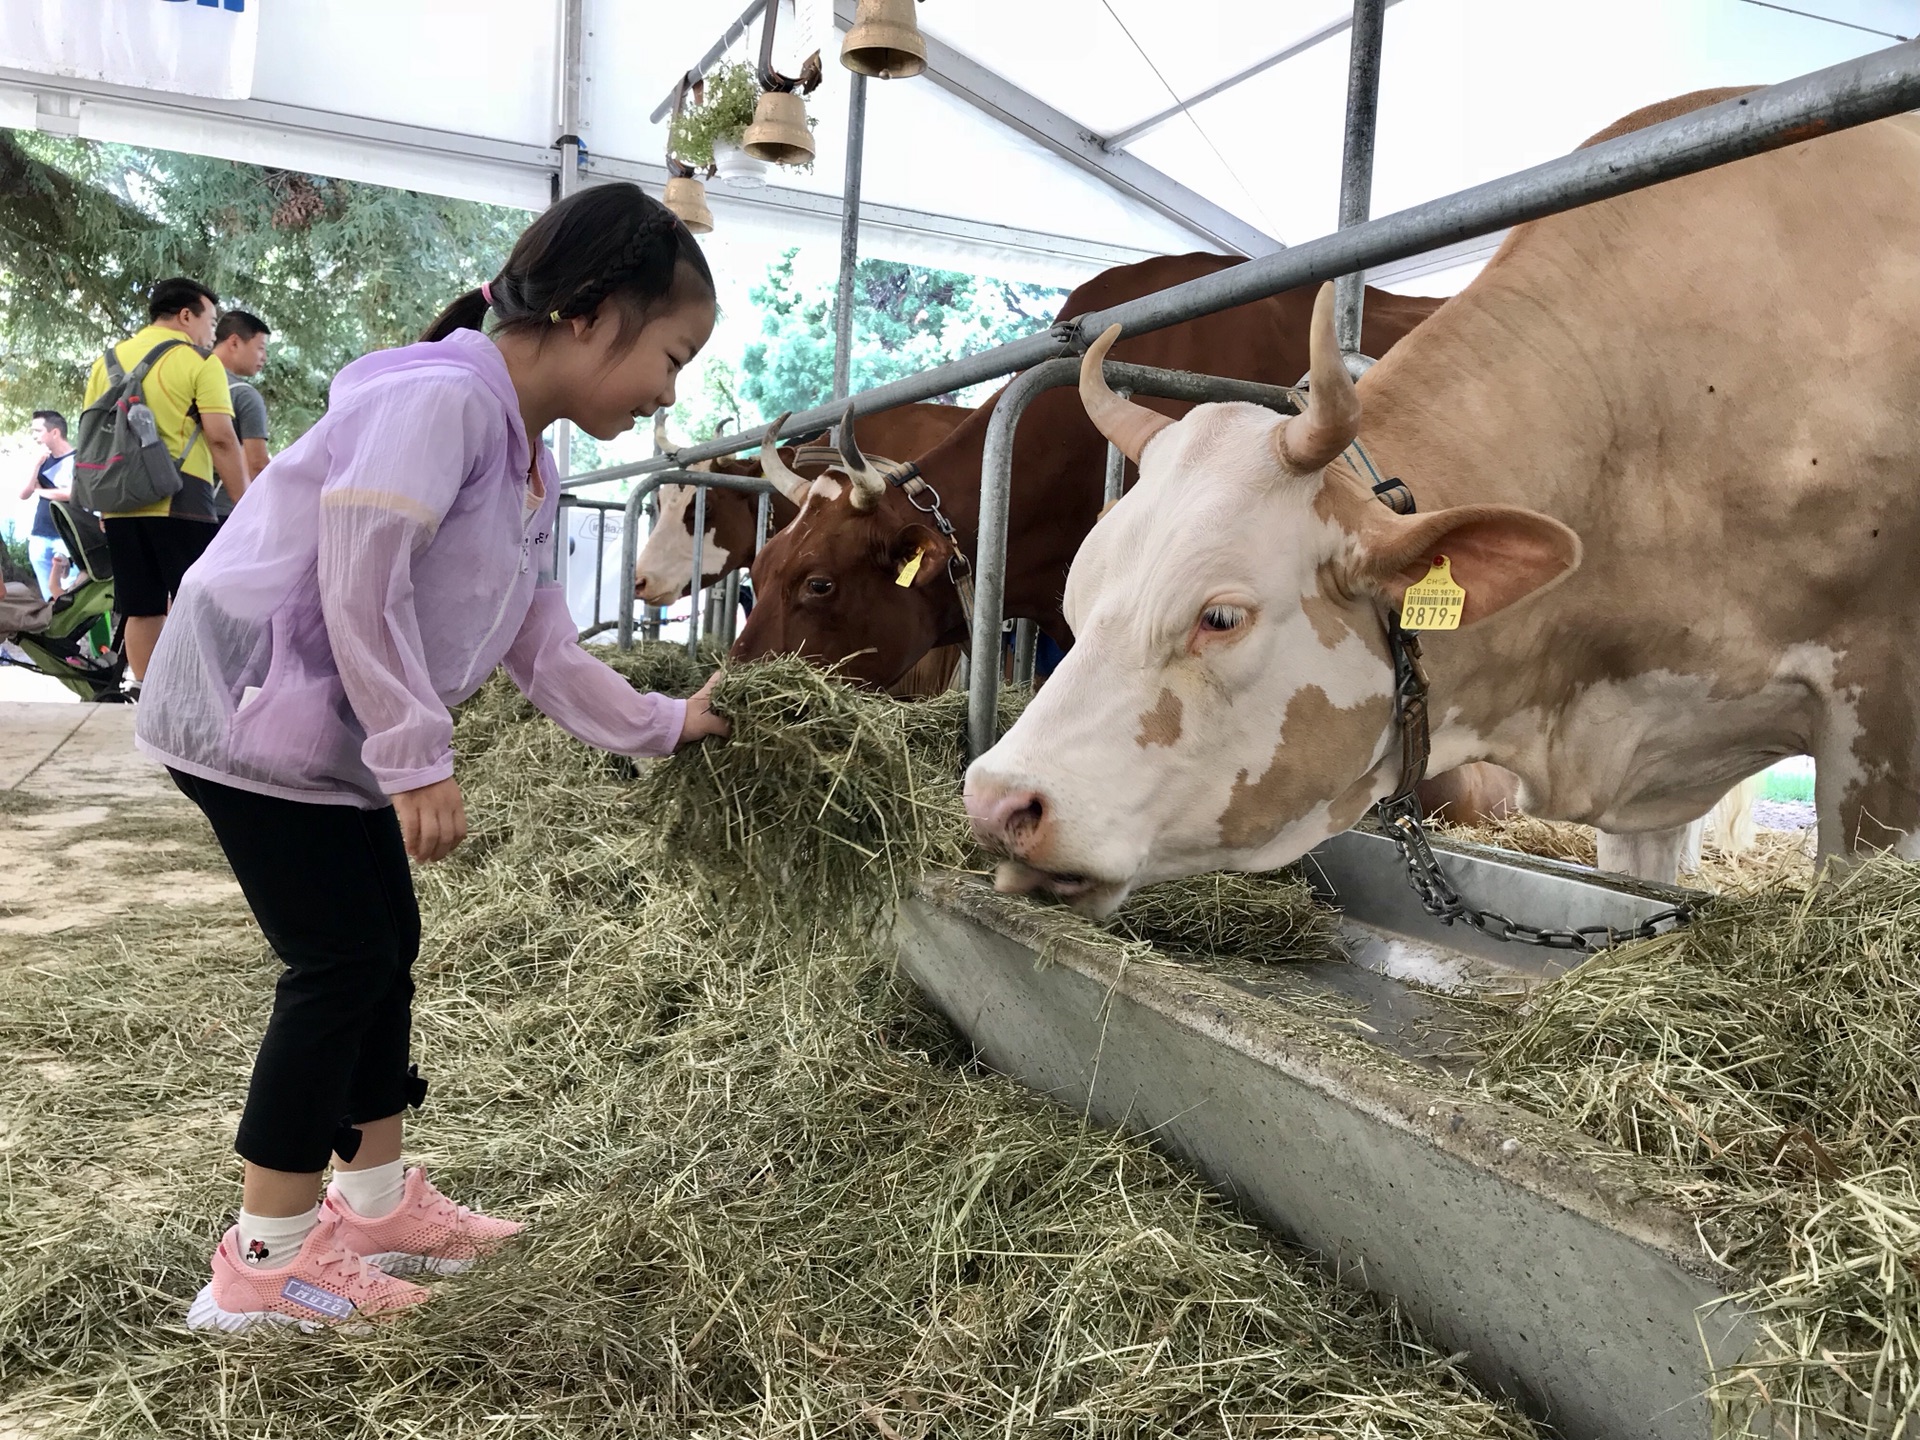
(885, 41)
(779, 130)
(687, 198)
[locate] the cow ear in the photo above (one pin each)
(918, 557)
(1498, 554)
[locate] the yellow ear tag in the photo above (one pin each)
(1434, 603)
(910, 569)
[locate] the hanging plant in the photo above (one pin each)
(723, 114)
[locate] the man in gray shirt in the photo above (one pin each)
(240, 342)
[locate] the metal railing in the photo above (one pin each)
(702, 481)
(1840, 97)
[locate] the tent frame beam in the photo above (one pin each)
(65, 93)
(1025, 114)
(1339, 25)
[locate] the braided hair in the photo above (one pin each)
(605, 243)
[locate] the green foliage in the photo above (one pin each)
(907, 319)
(732, 93)
(15, 564)
(337, 268)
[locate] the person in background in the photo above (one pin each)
(52, 473)
(152, 547)
(240, 345)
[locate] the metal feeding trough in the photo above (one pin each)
(1534, 1250)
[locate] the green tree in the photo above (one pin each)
(335, 267)
(907, 319)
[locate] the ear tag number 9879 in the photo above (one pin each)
(1435, 602)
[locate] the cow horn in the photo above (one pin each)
(1305, 442)
(867, 486)
(1126, 424)
(660, 441)
(773, 468)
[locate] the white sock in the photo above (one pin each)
(271, 1241)
(374, 1191)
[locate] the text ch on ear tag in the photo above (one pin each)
(910, 568)
(1435, 602)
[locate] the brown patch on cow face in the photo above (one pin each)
(1329, 621)
(1328, 745)
(1160, 725)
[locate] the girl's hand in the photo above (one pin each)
(433, 819)
(701, 721)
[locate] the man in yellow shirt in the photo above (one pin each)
(187, 391)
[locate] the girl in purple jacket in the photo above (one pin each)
(299, 696)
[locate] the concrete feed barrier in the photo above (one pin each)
(1530, 1248)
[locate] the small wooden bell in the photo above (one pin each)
(687, 198)
(779, 131)
(885, 41)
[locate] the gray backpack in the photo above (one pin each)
(120, 463)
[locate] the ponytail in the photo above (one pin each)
(466, 313)
(607, 244)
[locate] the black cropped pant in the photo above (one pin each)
(330, 887)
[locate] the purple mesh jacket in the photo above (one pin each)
(375, 575)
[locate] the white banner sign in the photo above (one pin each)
(191, 47)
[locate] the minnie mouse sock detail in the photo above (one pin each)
(270, 1241)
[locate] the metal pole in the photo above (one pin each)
(1356, 162)
(572, 68)
(1025, 642)
(1856, 92)
(563, 539)
(1116, 464)
(654, 614)
(694, 587)
(730, 609)
(706, 62)
(996, 473)
(849, 237)
(630, 532)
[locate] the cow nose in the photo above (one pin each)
(1011, 817)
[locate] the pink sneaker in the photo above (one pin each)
(425, 1231)
(324, 1284)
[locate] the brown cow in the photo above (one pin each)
(665, 564)
(1663, 445)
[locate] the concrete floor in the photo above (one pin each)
(89, 828)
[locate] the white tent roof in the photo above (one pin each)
(461, 97)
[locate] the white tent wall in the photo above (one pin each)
(459, 97)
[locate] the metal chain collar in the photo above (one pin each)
(1400, 816)
(924, 498)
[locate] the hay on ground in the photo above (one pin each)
(1776, 856)
(770, 1193)
(1768, 1053)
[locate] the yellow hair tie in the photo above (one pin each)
(554, 316)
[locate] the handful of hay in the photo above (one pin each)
(1770, 1052)
(826, 802)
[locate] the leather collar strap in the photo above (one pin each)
(1410, 712)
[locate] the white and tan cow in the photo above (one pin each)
(1668, 444)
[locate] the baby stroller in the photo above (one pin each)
(74, 638)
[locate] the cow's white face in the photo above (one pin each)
(1228, 703)
(665, 563)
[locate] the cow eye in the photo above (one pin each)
(819, 585)
(1221, 618)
